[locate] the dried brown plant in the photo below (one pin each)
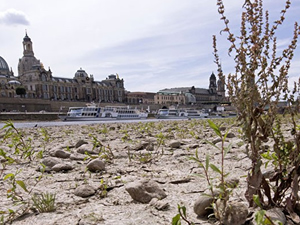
(259, 82)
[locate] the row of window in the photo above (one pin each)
(164, 97)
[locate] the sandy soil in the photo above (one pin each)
(169, 166)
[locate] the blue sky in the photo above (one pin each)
(151, 44)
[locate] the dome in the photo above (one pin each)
(14, 82)
(3, 65)
(81, 74)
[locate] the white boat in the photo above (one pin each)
(170, 114)
(89, 113)
(94, 113)
(126, 113)
(194, 114)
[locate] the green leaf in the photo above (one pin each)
(216, 169)
(215, 128)
(256, 200)
(259, 217)
(207, 162)
(266, 155)
(176, 220)
(8, 176)
(22, 185)
(197, 153)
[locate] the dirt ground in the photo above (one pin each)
(156, 151)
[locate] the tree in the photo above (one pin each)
(21, 91)
(258, 83)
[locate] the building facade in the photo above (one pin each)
(136, 98)
(215, 94)
(40, 83)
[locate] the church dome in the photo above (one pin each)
(3, 65)
(81, 74)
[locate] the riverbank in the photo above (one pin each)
(29, 116)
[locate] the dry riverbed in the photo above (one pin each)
(92, 169)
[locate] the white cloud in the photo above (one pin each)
(13, 17)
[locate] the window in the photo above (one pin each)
(44, 77)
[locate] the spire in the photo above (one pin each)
(26, 38)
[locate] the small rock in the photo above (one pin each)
(112, 128)
(150, 147)
(62, 167)
(230, 135)
(77, 156)
(174, 144)
(50, 161)
(143, 191)
(222, 128)
(96, 165)
(235, 213)
(60, 154)
(159, 204)
(202, 206)
(276, 215)
(192, 146)
(84, 191)
(79, 143)
(86, 148)
(140, 146)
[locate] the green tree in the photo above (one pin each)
(21, 91)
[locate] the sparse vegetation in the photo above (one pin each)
(44, 202)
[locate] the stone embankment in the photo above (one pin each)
(38, 116)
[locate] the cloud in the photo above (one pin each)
(13, 17)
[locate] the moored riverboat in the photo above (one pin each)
(126, 113)
(94, 113)
(88, 113)
(195, 114)
(170, 114)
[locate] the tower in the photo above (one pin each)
(221, 87)
(213, 84)
(28, 62)
(27, 46)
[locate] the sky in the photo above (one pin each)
(151, 44)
